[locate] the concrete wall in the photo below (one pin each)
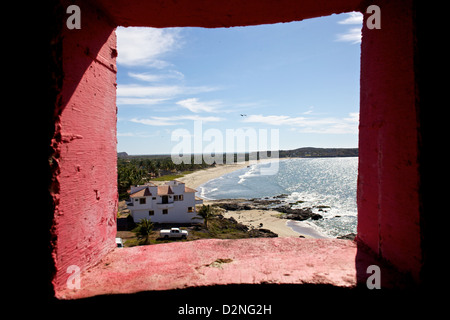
(84, 189)
(388, 179)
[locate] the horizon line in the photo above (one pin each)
(236, 152)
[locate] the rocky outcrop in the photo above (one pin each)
(262, 233)
(231, 223)
(350, 236)
(270, 204)
(297, 214)
(233, 206)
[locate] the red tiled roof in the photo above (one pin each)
(187, 189)
(162, 190)
(141, 193)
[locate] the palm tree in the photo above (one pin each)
(127, 175)
(143, 230)
(205, 213)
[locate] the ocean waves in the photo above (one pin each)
(327, 185)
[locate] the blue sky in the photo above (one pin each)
(301, 78)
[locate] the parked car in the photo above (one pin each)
(119, 242)
(173, 233)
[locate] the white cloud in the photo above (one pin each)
(352, 18)
(274, 120)
(148, 77)
(145, 46)
(138, 134)
(145, 76)
(155, 121)
(137, 94)
(310, 125)
(126, 134)
(194, 105)
(200, 118)
(310, 110)
(176, 120)
(154, 92)
(352, 35)
(353, 117)
(139, 101)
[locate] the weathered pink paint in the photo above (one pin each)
(388, 180)
(84, 180)
(220, 262)
(84, 187)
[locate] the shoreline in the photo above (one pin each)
(255, 218)
(255, 215)
(199, 177)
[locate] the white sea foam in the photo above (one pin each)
(306, 228)
(252, 171)
(327, 185)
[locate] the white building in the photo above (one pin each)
(169, 203)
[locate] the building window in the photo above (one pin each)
(165, 211)
(153, 198)
(180, 197)
(190, 209)
(141, 200)
(175, 198)
(151, 213)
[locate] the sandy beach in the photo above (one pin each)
(197, 178)
(254, 218)
(268, 218)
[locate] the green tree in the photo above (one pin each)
(143, 230)
(128, 174)
(205, 213)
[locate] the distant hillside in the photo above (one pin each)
(308, 152)
(319, 152)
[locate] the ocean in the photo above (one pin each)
(327, 185)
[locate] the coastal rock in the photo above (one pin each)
(231, 223)
(265, 202)
(235, 224)
(321, 208)
(262, 233)
(350, 236)
(297, 214)
(233, 206)
(316, 216)
(270, 204)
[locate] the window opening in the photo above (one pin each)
(209, 88)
